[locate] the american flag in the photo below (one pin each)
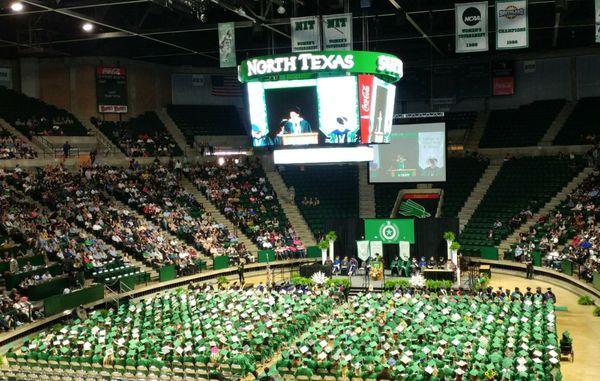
(225, 86)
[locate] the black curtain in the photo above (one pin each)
(429, 241)
(348, 230)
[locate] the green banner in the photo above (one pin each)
(390, 230)
(329, 63)
(227, 44)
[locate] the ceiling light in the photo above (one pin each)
(88, 27)
(281, 10)
(17, 6)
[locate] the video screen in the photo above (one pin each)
(376, 100)
(416, 153)
(304, 112)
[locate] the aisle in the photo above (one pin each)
(578, 320)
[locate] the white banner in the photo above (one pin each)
(376, 249)
(227, 44)
(404, 250)
(337, 32)
(306, 34)
(512, 29)
(471, 27)
(362, 248)
(598, 21)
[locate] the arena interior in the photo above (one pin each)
(315, 190)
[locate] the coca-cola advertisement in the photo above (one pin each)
(111, 89)
(376, 108)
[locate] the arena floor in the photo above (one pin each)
(578, 320)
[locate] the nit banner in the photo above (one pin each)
(512, 29)
(306, 34)
(337, 32)
(390, 230)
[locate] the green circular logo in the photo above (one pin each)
(389, 231)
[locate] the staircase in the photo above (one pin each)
(290, 209)
(474, 136)
(218, 216)
(479, 192)
(108, 146)
(35, 145)
(545, 210)
(142, 266)
(175, 132)
(557, 124)
(208, 260)
(366, 192)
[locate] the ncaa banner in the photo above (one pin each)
(471, 27)
(598, 21)
(306, 34)
(362, 249)
(512, 29)
(337, 32)
(227, 44)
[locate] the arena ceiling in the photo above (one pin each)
(184, 32)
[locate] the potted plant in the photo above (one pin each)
(323, 245)
(331, 237)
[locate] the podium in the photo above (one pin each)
(403, 172)
(300, 139)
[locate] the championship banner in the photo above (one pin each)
(471, 27)
(512, 29)
(390, 230)
(111, 89)
(362, 248)
(337, 32)
(376, 249)
(598, 21)
(227, 44)
(306, 34)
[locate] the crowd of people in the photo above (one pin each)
(570, 232)
(156, 193)
(16, 310)
(143, 136)
(241, 191)
(12, 147)
(62, 125)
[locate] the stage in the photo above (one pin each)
(359, 281)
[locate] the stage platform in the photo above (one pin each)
(358, 282)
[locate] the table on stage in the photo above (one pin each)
(438, 274)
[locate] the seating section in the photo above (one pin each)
(242, 193)
(583, 124)
(33, 117)
(569, 232)
(520, 189)
(195, 120)
(460, 120)
(12, 147)
(461, 176)
(521, 127)
(335, 187)
(144, 135)
(385, 198)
